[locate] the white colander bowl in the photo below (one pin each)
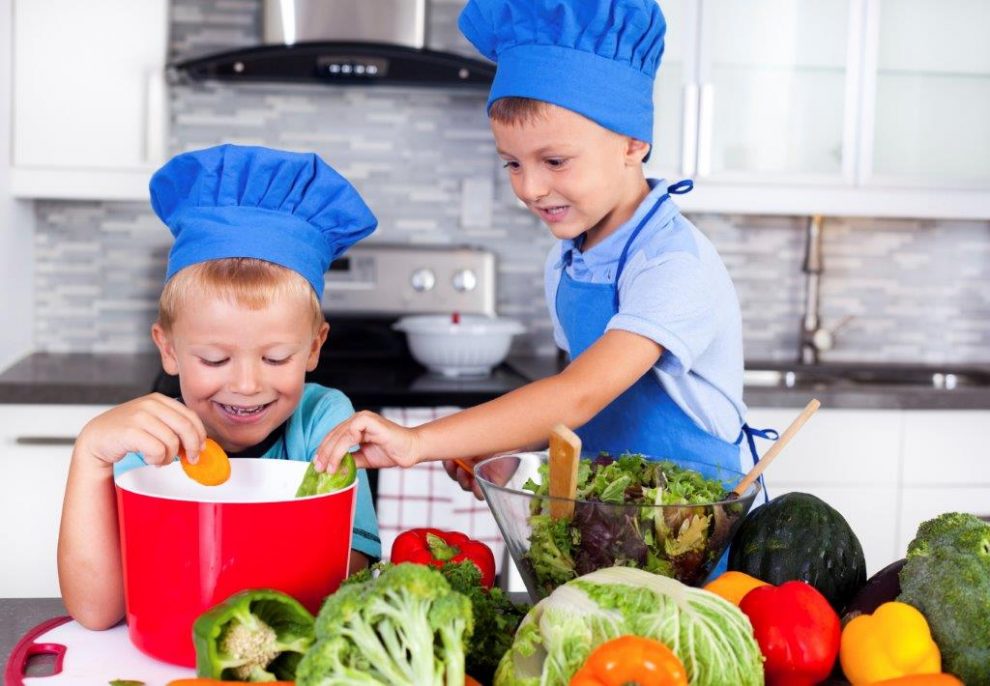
(468, 345)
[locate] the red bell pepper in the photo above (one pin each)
(798, 632)
(437, 548)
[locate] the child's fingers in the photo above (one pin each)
(338, 442)
(186, 425)
(175, 425)
(156, 443)
(464, 478)
(162, 442)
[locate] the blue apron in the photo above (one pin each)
(644, 419)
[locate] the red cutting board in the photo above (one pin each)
(86, 658)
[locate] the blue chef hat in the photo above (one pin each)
(594, 57)
(289, 208)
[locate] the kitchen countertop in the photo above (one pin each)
(18, 616)
(112, 378)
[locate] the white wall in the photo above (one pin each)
(16, 225)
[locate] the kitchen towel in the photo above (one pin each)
(425, 496)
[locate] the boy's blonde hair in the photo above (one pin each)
(515, 110)
(245, 281)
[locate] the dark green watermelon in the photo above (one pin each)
(800, 536)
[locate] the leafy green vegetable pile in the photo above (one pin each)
(617, 522)
(710, 635)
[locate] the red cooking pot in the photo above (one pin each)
(187, 547)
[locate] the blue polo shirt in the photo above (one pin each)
(675, 290)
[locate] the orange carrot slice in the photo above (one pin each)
(212, 468)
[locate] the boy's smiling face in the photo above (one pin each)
(241, 369)
(572, 173)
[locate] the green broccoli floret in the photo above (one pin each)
(947, 577)
(496, 619)
(405, 627)
(495, 616)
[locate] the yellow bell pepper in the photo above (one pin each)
(894, 641)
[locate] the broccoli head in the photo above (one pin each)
(947, 577)
(403, 627)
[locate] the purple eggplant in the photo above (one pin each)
(882, 587)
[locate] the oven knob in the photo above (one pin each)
(423, 279)
(464, 280)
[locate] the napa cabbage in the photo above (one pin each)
(710, 635)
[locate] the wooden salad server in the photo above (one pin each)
(565, 454)
(775, 449)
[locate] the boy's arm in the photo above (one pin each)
(520, 418)
(89, 564)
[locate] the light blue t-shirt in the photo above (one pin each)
(320, 410)
(674, 290)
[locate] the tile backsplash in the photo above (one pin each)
(905, 291)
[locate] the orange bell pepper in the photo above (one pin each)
(733, 586)
(631, 661)
(921, 680)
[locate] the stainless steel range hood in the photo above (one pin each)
(353, 42)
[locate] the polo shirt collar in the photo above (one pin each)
(610, 249)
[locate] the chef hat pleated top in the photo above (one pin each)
(288, 208)
(594, 57)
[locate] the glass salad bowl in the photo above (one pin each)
(671, 518)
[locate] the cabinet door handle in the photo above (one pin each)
(156, 96)
(689, 139)
(45, 440)
(706, 117)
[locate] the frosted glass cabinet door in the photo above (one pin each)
(778, 99)
(675, 94)
(930, 93)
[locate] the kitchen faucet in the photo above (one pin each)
(814, 338)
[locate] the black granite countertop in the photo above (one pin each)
(76, 378)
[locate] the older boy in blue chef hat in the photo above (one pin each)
(638, 296)
(240, 323)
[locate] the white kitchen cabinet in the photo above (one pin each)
(89, 101)
(35, 449)
(927, 94)
(945, 467)
(775, 98)
(850, 459)
(834, 107)
(675, 96)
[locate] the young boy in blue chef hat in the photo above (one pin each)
(240, 323)
(639, 298)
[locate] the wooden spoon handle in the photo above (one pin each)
(775, 449)
(565, 454)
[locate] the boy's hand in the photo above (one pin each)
(154, 425)
(382, 444)
(463, 477)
